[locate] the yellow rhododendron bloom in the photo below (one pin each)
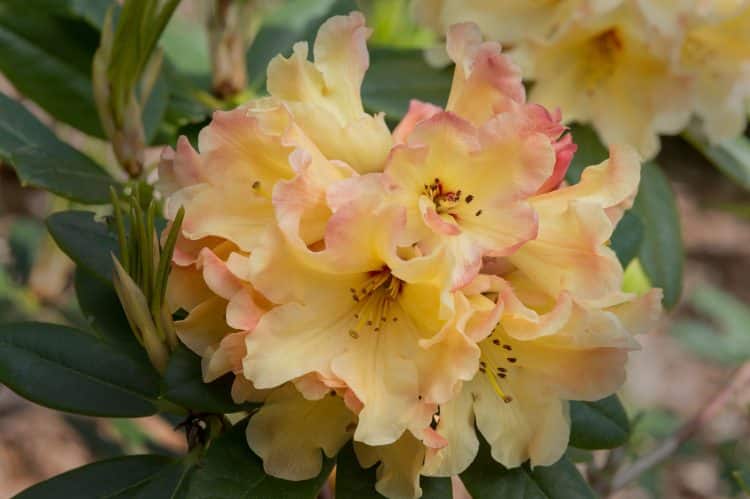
(391, 288)
(633, 69)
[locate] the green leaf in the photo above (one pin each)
(627, 237)
(598, 425)
(354, 482)
(108, 478)
(121, 477)
(397, 76)
(731, 157)
(48, 59)
(661, 252)
(42, 160)
(87, 242)
(590, 151)
(69, 370)
(230, 470)
(487, 479)
(102, 310)
(183, 385)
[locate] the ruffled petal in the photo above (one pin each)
(485, 82)
(273, 433)
(397, 475)
(324, 96)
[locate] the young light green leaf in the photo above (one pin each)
(69, 370)
(87, 242)
(487, 479)
(598, 425)
(661, 252)
(230, 470)
(102, 310)
(42, 160)
(121, 477)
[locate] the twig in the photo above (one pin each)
(739, 378)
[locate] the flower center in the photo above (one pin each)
(446, 201)
(497, 362)
(374, 302)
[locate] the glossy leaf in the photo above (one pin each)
(48, 57)
(381, 91)
(598, 425)
(183, 385)
(87, 242)
(354, 482)
(590, 151)
(102, 310)
(230, 470)
(627, 238)
(731, 157)
(42, 160)
(661, 252)
(487, 479)
(69, 370)
(122, 477)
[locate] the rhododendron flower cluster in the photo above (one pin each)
(633, 69)
(401, 288)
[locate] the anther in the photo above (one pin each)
(469, 198)
(479, 212)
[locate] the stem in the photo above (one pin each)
(738, 380)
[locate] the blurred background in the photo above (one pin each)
(682, 366)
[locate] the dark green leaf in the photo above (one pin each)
(69, 370)
(48, 59)
(590, 151)
(731, 157)
(102, 310)
(487, 479)
(354, 482)
(122, 477)
(437, 488)
(661, 251)
(230, 470)
(87, 242)
(627, 237)
(397, 76)
(183, 385)
(43, 160)
(598, 425)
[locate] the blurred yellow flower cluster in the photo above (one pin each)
(396, 288)
(633, 69)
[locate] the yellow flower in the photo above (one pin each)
(509, 21)
(614, 72)
(716, 54)
(369, 282)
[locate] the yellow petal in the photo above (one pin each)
(273, 433)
